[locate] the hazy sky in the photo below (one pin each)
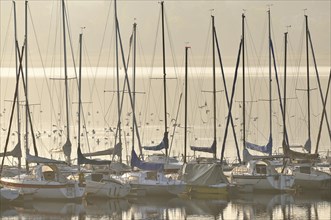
(187, 21)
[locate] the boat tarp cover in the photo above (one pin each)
(163, 145)
(83, 160)
(267, 149)
(136, 162)
(111, 151)
(203, 174)
(37, 159)
(211, 149)
(16, 152)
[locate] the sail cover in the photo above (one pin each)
(115, 150)
(163, 145)
(37, 159)
(16, 152)
(67, 148)
(211, 149)
(267, 149)
(83, 160)
(136, 162)
(307, 145)
(298, 155)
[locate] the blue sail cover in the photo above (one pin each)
(163, 145)
(211, 149)
(267, 149)
(83, 160)
(136, 162)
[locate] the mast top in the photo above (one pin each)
(269, 6)
(304, 11)
(82, 29)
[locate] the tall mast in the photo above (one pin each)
(308, 83)
(79, 86)
(164, 78)
(285, 66)
(243, 65)
(134, 81)
(17, 104)
(185, 127)
(270, 84)
(68, 143)
(118, 82)
(26, 77)
(214, 82)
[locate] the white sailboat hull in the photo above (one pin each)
(260, 182)
(44, 189)
(314, 180)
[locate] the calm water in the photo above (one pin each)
(245, 206)
(100, 112)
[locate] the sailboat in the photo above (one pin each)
(307, 174)
(259, 173)
(45, 180)
(151, 178)
(99, 184)
(204, 179)
(171, 164)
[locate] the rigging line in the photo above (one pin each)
(6, 34)
(100, 53)
(75, 71)
(248, 70)
(12, 112)
(42, 62)
(298, 73)
(49, 30)
(192, 103)
(11, 51)
(151, 71)
(155, 41)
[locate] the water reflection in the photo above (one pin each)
(44, 209)
(244, 206)
(175, 208)
(100, 208)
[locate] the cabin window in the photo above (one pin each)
(305, 170)
(49, 175)
(261, 169)
(151, 176)
(97, 177)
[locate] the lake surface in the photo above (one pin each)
(100, 119)
(244, 206)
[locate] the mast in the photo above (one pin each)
(118, 83)
(67, 146)
(79, 87)
(243, 66)
(17, 100)
(308, 82)
(134, 80)
(270, 84)
(26, 78)
(185, 126)
(214, 82)
(285, 66)
(164, 79)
